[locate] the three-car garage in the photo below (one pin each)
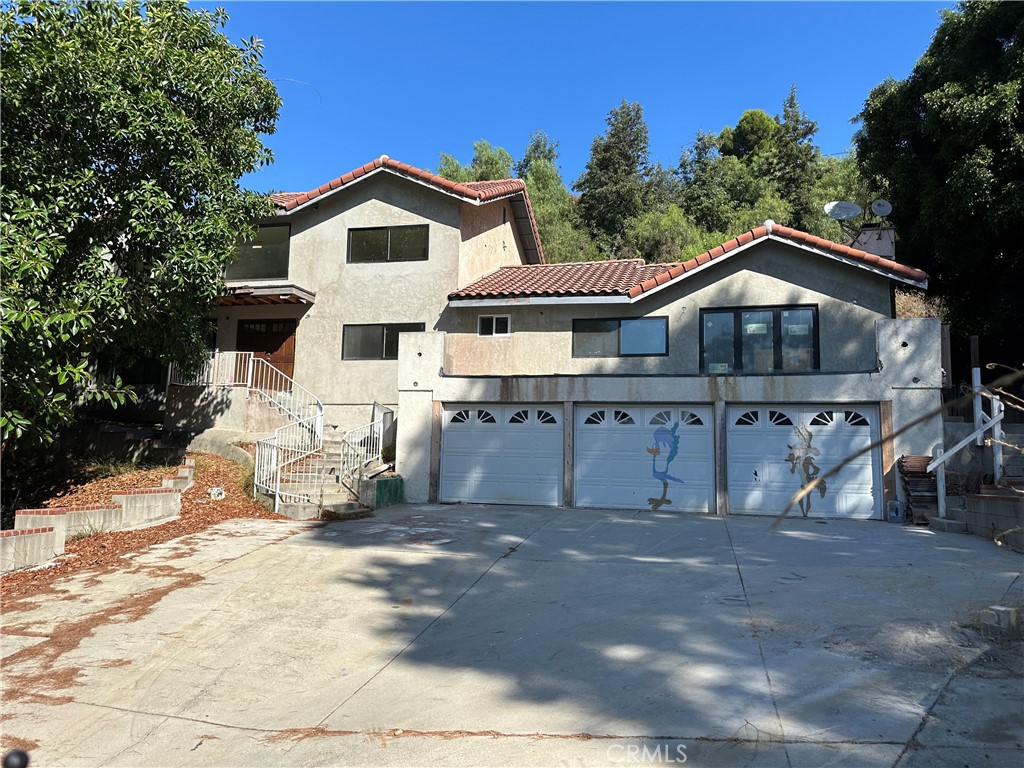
(663, 456)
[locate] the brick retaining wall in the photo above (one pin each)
(39, 535)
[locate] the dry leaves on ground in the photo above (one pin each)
(104, 551)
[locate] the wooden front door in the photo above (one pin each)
(272, 340)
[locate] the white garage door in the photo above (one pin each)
(655, 457)
(773, 451)
(502, 454)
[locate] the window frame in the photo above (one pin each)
(401, 328)
(777, 349)
(244, 253)
(388, 260)
(618, 335)
(493, 318)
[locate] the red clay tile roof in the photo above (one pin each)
(480, 191)
(476, 192)
(614, 277)
(280, 199)
(632, 277)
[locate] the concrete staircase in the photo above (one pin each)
(996, 511)
(327, 481)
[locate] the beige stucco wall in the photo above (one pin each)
(908, 377)
(489, 240)
(849, 301)
(465, 242)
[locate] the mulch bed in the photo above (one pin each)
(103, 551)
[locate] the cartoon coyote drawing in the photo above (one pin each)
(801, 458)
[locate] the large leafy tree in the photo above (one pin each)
(613, 187)
(947, 146)
(126, 127)
(539, 149)
(489, 163)
(763, 167)
(555, 211)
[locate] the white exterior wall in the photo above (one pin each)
(907, 374)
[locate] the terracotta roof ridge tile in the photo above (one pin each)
(574, 264)
(473, 190)
(865, 257)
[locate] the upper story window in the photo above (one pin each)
(759, 340)
(494, 325)
(374, 342)
(625, 337)
(379, 244)
(265, 258)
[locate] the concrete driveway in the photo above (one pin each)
(466, 635)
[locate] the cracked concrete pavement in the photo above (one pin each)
(474, 635)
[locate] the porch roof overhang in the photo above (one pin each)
(237, 294)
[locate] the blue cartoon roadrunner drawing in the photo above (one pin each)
(666, 448)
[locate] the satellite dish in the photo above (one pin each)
(842, 210)
(881, 208)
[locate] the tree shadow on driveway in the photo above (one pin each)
(660, 626)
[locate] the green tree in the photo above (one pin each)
(613, 186)
(540, 148)
(754, 134)
(718, 189)
(840, 179)
(762, 165)
(126, 127)
(554, 209)
(489, 163)
(797, 161)
(667, 235)
(947, 146)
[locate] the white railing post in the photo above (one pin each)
(940, 480)
(997, 439)
(979, 413)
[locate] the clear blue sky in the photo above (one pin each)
(412, 80)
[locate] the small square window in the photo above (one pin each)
(494, 325)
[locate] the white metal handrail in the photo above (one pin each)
(983, 423)
(281, 390)
(221, 369)
(286, 457)
(292, 456)
(294, 452)
(361, 446)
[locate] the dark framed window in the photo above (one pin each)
(378, 244)
(264, 258)
(374, 342)
(621, 337)
(494, 325)
(759, 340)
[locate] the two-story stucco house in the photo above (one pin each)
(722, 384)
(332, 281)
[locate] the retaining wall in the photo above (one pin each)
(39, 535)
